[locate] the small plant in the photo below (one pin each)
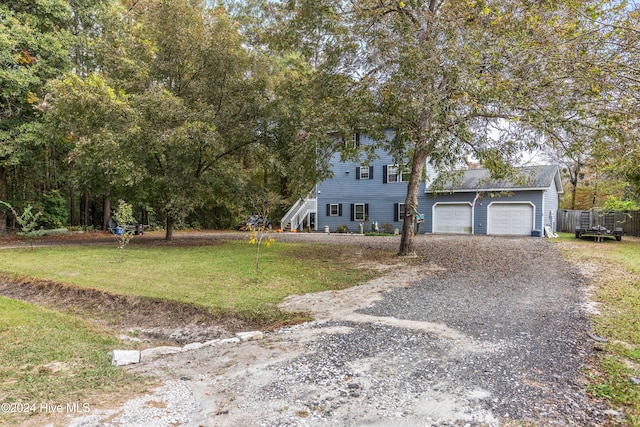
(123, 216)
(342, 229)
(28, 222)
(258, 232)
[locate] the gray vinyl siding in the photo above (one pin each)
(550, 207)
(480, 210)
(381, 198)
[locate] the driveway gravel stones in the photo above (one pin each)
(482, 331)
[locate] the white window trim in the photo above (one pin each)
(401, 209)
(390, 169)
(399, 175)
(355, 212)
(364, 172)
(337, 212)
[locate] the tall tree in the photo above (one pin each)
(34, 47)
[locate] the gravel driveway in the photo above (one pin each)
(481, 331)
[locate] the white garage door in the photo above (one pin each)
(515, 219)
(452, 218)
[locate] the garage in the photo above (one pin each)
(511, 219)
(452, 218)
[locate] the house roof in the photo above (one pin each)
(527, 178)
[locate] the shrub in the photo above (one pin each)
(342, 229)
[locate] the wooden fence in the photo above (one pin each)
(567, 221)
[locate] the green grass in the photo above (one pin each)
(616, 281)
(58, 358)
(54, 358)
(220, 278)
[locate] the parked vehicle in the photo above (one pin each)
(254, 222)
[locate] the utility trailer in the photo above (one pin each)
(609, 228)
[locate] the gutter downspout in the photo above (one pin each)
(473, 213)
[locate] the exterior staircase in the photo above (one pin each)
(303, 211)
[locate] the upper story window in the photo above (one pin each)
(393, 173)
(355, 139)
(364, 172)
(353, 142)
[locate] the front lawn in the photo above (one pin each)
(614, 268)
(59, 358)
(220, 278)
(53, 359)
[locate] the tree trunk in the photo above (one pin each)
(169, 232)
(3, 195)
(72, 206)
(411, 203)
(106, 211)
(84, 209)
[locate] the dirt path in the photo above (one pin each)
(483, 331)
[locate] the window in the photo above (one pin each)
(398, 212)
(359, 211)
(334, 209)
(364, 172)
(354, 141)
(394, 174)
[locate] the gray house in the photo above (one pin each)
(364, 194)
(478, 204)
(358, 193)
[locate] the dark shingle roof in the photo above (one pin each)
(527, 178)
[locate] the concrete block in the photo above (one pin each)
(248, 336)
(152, 353)
(192, 346)
(125, 357)
(230, 341)
(211, 343)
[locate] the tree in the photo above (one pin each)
(451, 79)
(175, 104)
(34, 48)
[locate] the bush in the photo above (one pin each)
(615, 205)
(342, 229)
(387, 228)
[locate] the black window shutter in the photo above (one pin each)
(328, 209)
(370, 172)
(340, 209)
(395, 212)
(384, 174)
(358, 172)
(366, 210)
(353, 209)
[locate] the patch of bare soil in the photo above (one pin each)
(157, 320)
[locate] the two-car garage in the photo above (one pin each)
(503, 218)
(477, 203)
